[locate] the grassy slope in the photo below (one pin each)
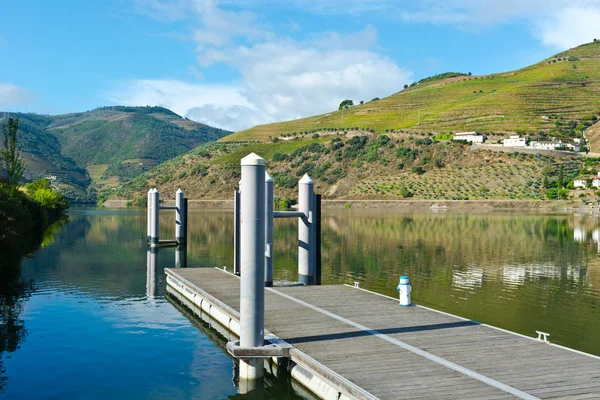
(406, 167)
(504, 102)
(106, 145)
(400, 169)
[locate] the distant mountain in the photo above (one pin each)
(97, 150)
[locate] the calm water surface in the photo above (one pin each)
(90, 319)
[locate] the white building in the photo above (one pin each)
(547, 145)
(596, 181)
(580, 183)
(573, 147)
(514, 141)
(472, 137)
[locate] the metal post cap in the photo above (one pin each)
(252, 159)
(306, 180)
(268, 178)
(404, 280)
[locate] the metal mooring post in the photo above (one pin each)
(318, 239)
(306, 231)
(268, 230)
(252, 245)
(236, 232)
(149, 212)
(180, 214)
(155, 218)
(185, 218)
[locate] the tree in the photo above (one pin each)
(10, 155)
(361, 102)
(346, 104)
(559, 183)
(405, 86)
(469, 74)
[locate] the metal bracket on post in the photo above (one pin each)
(273, 347)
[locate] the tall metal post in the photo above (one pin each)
(149, 212)
(185, 218)
(318, 239)
(252, 282)
(268, 230)
(180, 214)
(236, 232)
(306, 231)
(155, 218)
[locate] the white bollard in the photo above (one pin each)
(149, 212)
(252, 253)
(404, 290)
(155, 218)
(306, 231)
(268, 230)
(180, 221)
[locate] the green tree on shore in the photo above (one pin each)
(10, 155)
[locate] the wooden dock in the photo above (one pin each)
(366, 346)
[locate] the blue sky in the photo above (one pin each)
(237, 63)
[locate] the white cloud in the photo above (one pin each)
(12, 95)
(175, 95)
(560, 24)
(233, 118)
(571, 27)
(281, 78)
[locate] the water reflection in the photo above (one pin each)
(100, 295)
(14, 292)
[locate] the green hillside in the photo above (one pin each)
(553, 97)
(97, 150)
(379, 151)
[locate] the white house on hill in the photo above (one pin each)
(472, 137)
(582, 181)
(515, 141)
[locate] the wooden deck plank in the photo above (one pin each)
(386, 369)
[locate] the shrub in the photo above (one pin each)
(418, 170)
(423, 142)
(279, 157)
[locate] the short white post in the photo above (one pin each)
(306, 231)
(180, 214)
(268, 230)
(252, 245)
(155, 218)
(404, 288)
(149, 212)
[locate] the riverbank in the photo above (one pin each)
(480, 205)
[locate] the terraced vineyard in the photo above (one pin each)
(380, 151)
(564, 88)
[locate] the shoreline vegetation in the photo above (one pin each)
(26, 211)
(30, 214)
(475, 205)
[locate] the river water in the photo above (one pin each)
(89, 318)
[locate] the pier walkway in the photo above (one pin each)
(366, 346)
